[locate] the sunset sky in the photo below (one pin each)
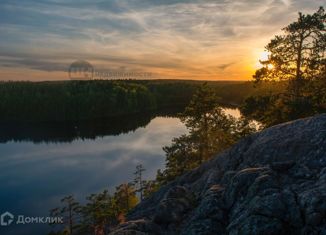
(194, 39)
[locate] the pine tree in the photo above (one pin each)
(139, 182)
(70, 212)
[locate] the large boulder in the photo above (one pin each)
(273, 182)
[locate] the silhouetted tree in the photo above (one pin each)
(139, 183)
(197, 116)
(210, 131)
(297, 57)
(70, 212)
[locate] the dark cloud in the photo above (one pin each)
(151, 3)
(48, 66)
(225, 66)
(307, 5)
(61, 63)
(112, 6)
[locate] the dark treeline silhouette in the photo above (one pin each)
(87, 100)
(72, 100)
(68, 131)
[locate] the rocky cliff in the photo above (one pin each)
(273, 182)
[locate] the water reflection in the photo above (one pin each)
(34, 177)
(70, 131)
(78, 159)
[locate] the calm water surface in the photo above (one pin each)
(35, 175)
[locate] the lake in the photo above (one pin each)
(41, 164)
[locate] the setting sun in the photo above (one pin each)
(263, 56)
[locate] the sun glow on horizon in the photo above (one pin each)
(199, 40)
(263, 56)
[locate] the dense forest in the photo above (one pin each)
(85, 100)
(66, 101)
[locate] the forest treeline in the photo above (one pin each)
(85, 100)
(71, 100)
